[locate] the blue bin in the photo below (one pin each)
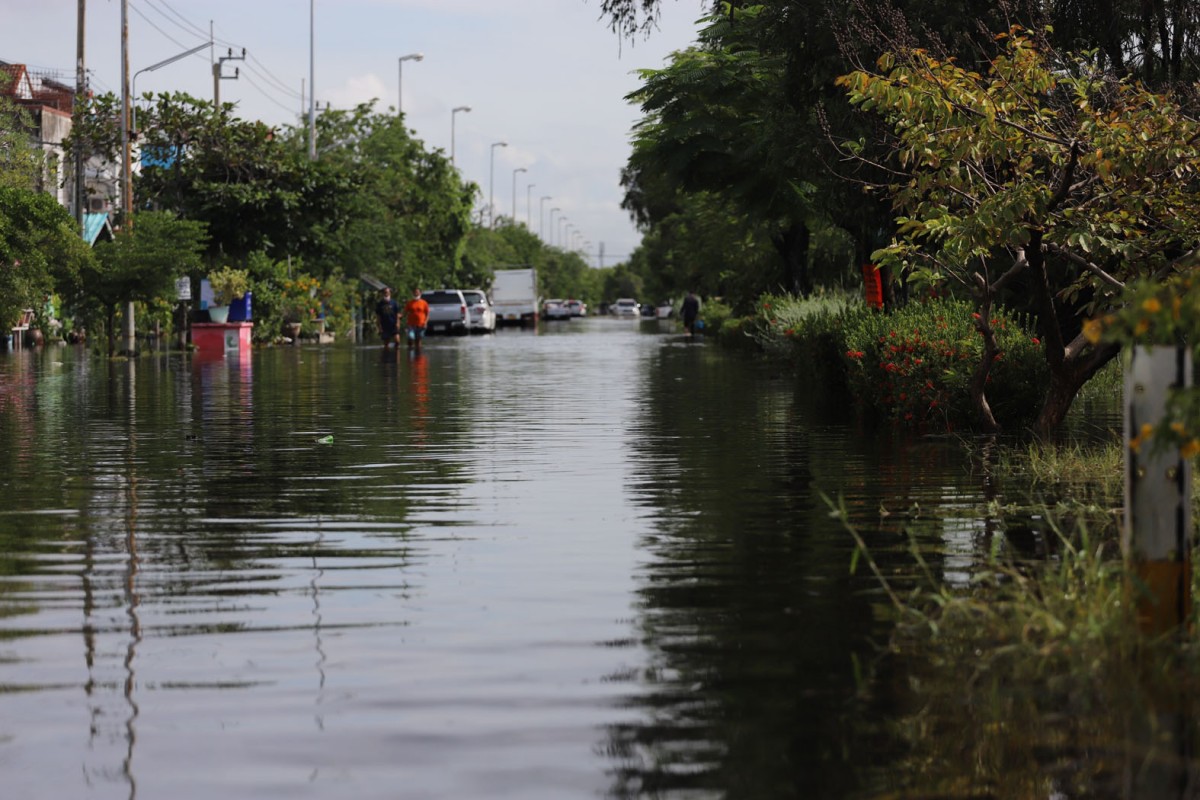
(239, 310)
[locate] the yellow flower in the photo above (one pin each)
(1092, 329)
(1142, 326)
(1178, 428)
(1151, 305)
(1189, 448)
(1176, 305)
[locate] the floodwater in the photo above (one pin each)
(591, 561)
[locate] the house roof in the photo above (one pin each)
(94, 225)
(35, 87)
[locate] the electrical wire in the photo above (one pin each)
(264, 93)
(165, 35)
(187, 24)
(266, 75)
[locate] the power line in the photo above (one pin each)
(280, 85)
(165, 35)
(264, 93)
(191, 27)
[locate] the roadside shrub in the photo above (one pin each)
(716, 315)
(808, 332)
(914, 365)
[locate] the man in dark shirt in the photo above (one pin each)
(689, 311)
(386, 310)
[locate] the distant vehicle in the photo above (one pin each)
(447, 311)
(515, 296)
(555, 309)
(578, 308)
(646, 310)
(480, 313)
(664, 310)
(625, 307)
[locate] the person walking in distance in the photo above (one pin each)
(689, 311)
(416, 314)
(386, 311)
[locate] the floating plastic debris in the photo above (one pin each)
(325, 440)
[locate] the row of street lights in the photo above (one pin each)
(491, 168)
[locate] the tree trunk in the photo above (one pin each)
(1067, 378)
(792, 246)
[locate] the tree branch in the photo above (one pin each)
(1080, 261)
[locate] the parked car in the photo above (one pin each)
(555, 309)
(664, 310)
(447, 311)
(578, 308)
(625, 307)
(481, 314)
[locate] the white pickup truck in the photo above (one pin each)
(515, 296)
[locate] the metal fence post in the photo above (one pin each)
(1158, 534)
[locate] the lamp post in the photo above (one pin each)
(542, 216)
(454, 111)
(400, 83)
(528, 204)
(312, 80)
(514, 203)
(151, 68)
(562, 221)
(492, 184)
(551, 239)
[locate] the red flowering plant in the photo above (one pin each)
(914, 365)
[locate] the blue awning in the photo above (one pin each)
(94, 225)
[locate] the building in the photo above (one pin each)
(49, 104)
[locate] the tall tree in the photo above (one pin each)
(40, 251)
(141, 264)
(409, 213)
(1042, 169)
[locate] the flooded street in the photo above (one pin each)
(587, 562)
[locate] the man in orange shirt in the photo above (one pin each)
(416, 314)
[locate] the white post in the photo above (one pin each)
(1157, 537)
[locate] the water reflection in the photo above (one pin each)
(589, 561)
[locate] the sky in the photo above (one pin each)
(547, 77)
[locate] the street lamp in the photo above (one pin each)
(454, 111)
(400, 83)
(562, 222)
(544, 239)
(542, 216)
(514, 203)
(492, 184)
(151, 68)
(528, 204)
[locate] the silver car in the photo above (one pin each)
(447, 311)
(479, 309)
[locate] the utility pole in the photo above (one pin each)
(130, 332)
(218, 73)
(312, 81)
(76, 109)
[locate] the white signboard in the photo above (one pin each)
(183, 288)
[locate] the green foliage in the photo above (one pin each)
(22, 165)
(408, 211)
(807, 332)
(1101, 172)
(914, 365)
(40, 249)
(228, 284)
(143, 264)
(1163, 314)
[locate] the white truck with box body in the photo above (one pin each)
(515, 296)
